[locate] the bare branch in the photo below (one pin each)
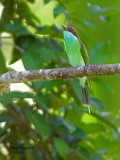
(58, 73)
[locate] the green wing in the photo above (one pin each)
(74, 53)
(84, 53)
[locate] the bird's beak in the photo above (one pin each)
(65, 28)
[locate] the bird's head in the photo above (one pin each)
(71, 29)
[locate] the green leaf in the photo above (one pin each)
(40, 123)
(117, 76)
(6, 118)
(3, 137)
(1, 43)
(92, 128)
(96, 10)
(38, 55)
(75, 90)
(31, 1)
(46, 1)
(100, 141)
(102, 50)
(61, 9)
(57, 101)
(97, 104)
(8, 11)
(53, 30)
(8, 98)
(105, 120)
(48, 85)
(80, 134)
(2, 63)
(74, 115)
(54, 45)
(104, 85)
(29, 62)
(82, 153)
(24, 42)
(17, 29)
(61, 147)
(69, 125)
(87, 24)
(24, 11)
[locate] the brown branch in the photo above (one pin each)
(58, 73)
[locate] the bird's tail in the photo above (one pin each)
(85, 99)
(85, 96)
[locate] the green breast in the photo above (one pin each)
(72, 47)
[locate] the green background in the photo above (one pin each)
(49, 115)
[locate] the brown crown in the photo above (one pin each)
(73, 31)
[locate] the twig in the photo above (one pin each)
(59, 73)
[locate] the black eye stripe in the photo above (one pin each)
(73, 33)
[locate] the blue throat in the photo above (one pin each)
(68, 36)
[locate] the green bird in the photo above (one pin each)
(77, 56)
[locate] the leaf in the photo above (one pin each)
(57, 102)
(95, 10)
(104, 85)
(105, 120)
(117, 76)
(74, 115)
(8, 11)
(61, 147)
(3, 133)
(69, 125)
(92, 128)
(31, 1)
(82, 153)
(58, 126)
(38, 54)
(80, 134)
(46, 1)
(53, 31)
(54, 45)
(3, 137)
(2, 63)
(96, 157)
(17, 29)
(100, 141)
(61, 9)
(97, 104)
(75, 90)
(102, 50)
(1, 43)
(87, 23)
(24, 42)
(8, 98)
(6, 118)
(28, 61)
(24, 11)
(40, 123)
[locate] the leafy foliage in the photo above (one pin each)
(48, 121)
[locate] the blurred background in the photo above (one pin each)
(46, 120)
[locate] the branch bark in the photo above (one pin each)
(58, 73)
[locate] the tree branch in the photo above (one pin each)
(58, 73)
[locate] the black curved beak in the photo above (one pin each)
(65, 28)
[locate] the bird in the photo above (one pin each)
(78, 56)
